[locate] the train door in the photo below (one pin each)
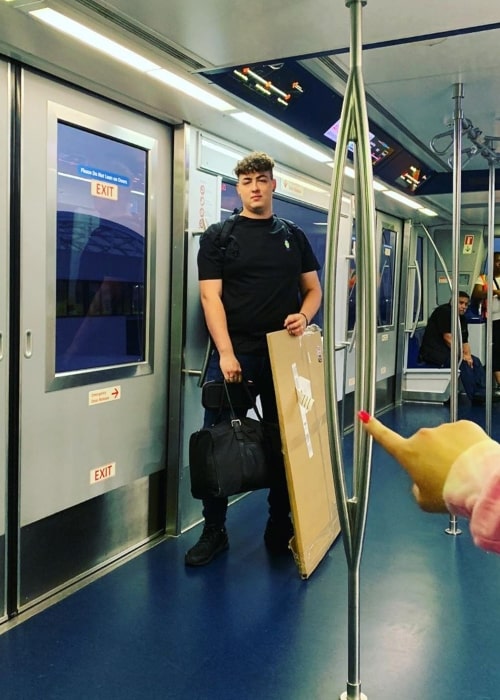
(389, 240)
(389, 231)
(94, 279)
(4, 315)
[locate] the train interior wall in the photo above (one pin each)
(83, 528)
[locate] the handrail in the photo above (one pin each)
(353, 508)
(419, 303)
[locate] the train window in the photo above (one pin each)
(351, 282)
(311, 220)
(101, 250)
(386, 280)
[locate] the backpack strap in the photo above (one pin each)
(226, 227)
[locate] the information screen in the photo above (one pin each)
(379, 149)
(101, 250)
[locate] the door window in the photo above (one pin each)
(101, 251)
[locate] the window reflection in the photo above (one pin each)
(385, 282)
(386, 278)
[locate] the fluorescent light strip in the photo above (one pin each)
(376, 185)
(189, 88)
(283, 137)
(111, 48)
(428, 212)
(96, 41)
(404, 200)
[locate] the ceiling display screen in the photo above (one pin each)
(404, 171)
(378, 148)
(286, 90)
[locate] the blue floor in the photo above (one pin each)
(247, 627)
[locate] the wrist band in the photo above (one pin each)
(307, 322)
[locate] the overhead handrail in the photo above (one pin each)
(481, 144)
(353, 508)
(443, 150)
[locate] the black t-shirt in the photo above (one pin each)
(260, 270)
(434, 349)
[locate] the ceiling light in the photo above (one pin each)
(428, 212)
(97, 41)
(404, 200)
(350, 172)
(93, 39)
(265, 128)
(189, 88)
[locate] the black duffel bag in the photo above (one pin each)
(235, 455)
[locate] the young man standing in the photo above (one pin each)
(262, 280)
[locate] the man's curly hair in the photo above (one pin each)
(256, 162)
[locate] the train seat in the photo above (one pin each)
(421, 381)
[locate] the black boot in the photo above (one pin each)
(213, 540)
(278, 534)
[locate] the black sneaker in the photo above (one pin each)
(213, 540)
(277, 535)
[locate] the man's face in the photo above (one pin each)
(463, 305)
(256, 192)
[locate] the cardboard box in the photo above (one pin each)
(298, 374)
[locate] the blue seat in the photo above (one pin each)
(414, 343)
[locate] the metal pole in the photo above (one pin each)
(456, 344)
(353, 508)
(489, 299)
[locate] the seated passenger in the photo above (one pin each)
(436, 348)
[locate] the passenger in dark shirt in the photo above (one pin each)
(436, 348)
(263, 280)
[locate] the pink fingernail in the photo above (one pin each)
(364, 416)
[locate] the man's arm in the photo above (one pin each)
(467, 355)
(447, 339)
(310, 289)
(215, 318)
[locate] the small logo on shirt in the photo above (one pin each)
(287, 244)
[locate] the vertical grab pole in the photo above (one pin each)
(458, 116)
(489, 327)
(353, 508)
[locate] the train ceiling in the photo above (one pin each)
(414, 53)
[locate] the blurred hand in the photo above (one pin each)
(427, 455)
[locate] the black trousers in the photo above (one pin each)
(257, 369)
